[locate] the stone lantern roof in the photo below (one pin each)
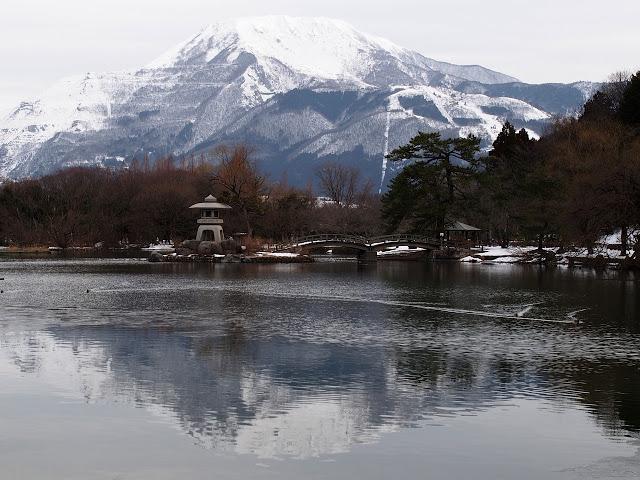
(211, 203)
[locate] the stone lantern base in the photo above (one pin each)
(210, 233)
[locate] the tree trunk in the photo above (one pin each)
(506, 234)
(449, 175)
(624, 238)
(540, 237)
(246, 219)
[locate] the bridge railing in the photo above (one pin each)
(359, 240)
(330, 237)
(400, 238)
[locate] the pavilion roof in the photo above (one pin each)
(457, 226)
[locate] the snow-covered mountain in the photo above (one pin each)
(318, 48)
(301, 90)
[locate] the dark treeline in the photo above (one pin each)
(576, 183)
(85, 206)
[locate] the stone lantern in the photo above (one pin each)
(210, 222)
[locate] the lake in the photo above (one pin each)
(121, 369)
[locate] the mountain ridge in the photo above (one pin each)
(260, 80)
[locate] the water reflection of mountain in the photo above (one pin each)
(252, 393)
(277, 396)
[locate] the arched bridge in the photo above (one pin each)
(366, 246)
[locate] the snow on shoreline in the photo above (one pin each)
(533, 255)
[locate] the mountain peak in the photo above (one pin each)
(319, 47)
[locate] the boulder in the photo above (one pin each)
(205, 248)
(191, 245)
(210, 248)
(156, 257)
(230, 246)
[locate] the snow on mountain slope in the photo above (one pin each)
(300, 89)
(295, 129)
(74, 104)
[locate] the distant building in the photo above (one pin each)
(210, 221)
(456, 231)
(320, 202)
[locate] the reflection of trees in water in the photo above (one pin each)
(435, 368)
(611, 296)
(611, 391)
(566, 361)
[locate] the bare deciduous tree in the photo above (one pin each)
(615, 87)
(340, 183)
(238, 176)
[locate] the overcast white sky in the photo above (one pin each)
(534, 40)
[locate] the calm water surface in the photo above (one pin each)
(329, 370)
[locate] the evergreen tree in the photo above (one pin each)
(503, 181)
(504, 141)
(508, 146)
(599, 107)
(416, 201)
(432, 188)
(629, 110)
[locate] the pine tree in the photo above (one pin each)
(502, 183)
(416, 201)
(504, 141)
(629, 110)
(599, 107)
(508, 147)
(429, 190)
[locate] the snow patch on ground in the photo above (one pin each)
(495, 254)
(401, 250)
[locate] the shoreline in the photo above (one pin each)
(489, 256)
(156, 257)
(604, 258)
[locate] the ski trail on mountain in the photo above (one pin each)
(386, 148)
